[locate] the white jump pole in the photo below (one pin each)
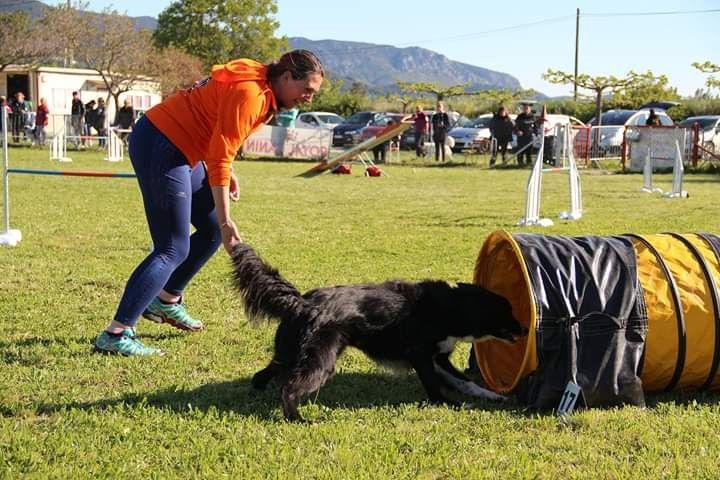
(534, 186)
(58, 147)
(534, 191)
(8, 237)
(648, 174)
(114, 147)
(575, 212)
(678, 172)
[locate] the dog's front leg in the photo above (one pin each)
(460, 382)
(430, 380)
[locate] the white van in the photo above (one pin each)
(613, 123)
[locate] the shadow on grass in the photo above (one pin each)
(32, 350)
(344, 390)
(686, 399)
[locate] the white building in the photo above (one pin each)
(56, 85)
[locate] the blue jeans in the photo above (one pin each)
(175, 196)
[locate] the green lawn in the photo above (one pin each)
(67, 413)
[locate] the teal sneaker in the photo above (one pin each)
(172, 313)
(125, 344)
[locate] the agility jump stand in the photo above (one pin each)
(58, 147)
(10, 237)
(534, 188)
(678, 172)
(648, 174)
(114, 147)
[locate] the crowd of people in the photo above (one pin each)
(86, 119)
(501, 126)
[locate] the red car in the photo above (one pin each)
(377, 125)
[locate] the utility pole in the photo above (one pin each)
(577, 43)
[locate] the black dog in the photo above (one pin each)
(411, 324)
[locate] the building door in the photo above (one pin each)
(18, 83)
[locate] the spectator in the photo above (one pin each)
(653, 119)
(126, 119)
(422, 126)
(77, 114)
(18, 113)
(100, 119)
(90, 120)
(41, 121)
(525, 127)
(4, 104)
(440, 125)
(501, 128)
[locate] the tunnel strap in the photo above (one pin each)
(714, 243)
(679, 315)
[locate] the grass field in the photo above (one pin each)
(67, 413)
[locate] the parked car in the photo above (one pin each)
(346, 133)
(378, 124)
(472, 134)
(611, 137)
(709, 130)
(325, 120)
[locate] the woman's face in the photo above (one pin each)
(289, 92)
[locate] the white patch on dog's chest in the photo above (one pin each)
(448, 345)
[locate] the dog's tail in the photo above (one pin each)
(265, 293)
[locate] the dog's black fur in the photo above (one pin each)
(411, 324)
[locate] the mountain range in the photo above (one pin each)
(377, 67)
(380, 66)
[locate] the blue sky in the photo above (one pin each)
(521, 38)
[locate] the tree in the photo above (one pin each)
(440, 92)
(121, 55)
(641, 92)
(217, 31)
(708, 67)
(494, 97)
(176, 70)
(68, 25)
(21, 40)
(600, 84)
(403, 100)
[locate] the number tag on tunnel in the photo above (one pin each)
(569, 399)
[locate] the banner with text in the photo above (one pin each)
(289, 143)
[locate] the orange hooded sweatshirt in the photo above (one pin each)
(210, 121)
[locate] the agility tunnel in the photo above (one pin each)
(620, 316)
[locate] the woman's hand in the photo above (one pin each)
(230, 235)
(234, 188)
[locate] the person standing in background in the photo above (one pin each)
(501, 128)
(125, 119)
(41, 121)
(100, 119)
(525, 127)
(440, 125)
(18, 108)
(422, 127)
(653, 119)
(77, 115)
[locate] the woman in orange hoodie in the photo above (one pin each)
(182, 152)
